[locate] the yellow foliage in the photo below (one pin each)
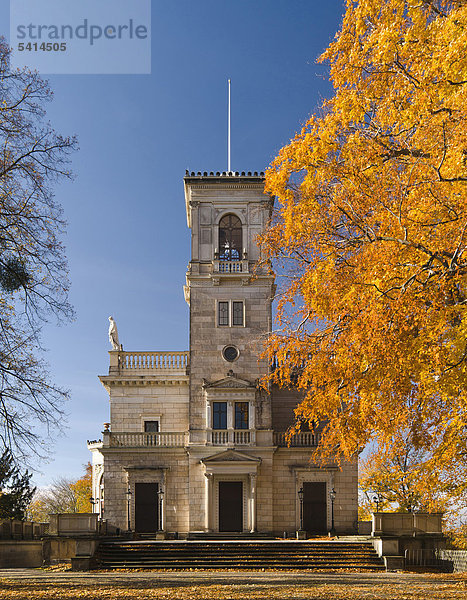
(63, 496)
(371, 230)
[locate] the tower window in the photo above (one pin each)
(223, 308)
(237, 313)
(230, 238)
(219, 415)
(230, 313)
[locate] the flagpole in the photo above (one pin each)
(228, 135)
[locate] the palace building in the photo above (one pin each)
(193, 443)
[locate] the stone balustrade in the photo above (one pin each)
(406, 523)
(139, 439)
(215, 437)
(175, 363)
(21, 530)
(230, 266)
(73, 524)
(239, 437)
(305, 439)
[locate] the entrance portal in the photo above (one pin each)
(146, 507)
(314, 506)
(230, 506)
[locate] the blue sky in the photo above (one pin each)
(127, 240)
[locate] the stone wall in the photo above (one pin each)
(15, 554)
(284, 402)
(291, 468)
(130, 404)
(168, 467)
(208, 340)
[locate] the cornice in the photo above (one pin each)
(142, 380)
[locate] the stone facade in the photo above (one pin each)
(193, 443)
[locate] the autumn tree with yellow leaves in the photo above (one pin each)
(63, 496)
(370, 236)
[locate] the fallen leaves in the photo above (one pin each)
(398, 587)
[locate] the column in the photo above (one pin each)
(207, 500)
(230, 421)
(163, 486)
(252, 502)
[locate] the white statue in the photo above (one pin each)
(113, 334)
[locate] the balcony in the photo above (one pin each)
(231, 437)
(137, 439)
(214, 437)
(145, 363)
(230, 266)
(304, 439)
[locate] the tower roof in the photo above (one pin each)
(253, 180)
(234, 176)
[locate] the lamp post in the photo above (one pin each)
(332, 497)
(93, 502)
(300, 497)
(128, 498)
(377, 499)
(101, 508)
(160, 493)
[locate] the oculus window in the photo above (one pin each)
(230, 353)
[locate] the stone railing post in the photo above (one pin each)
(106, 435)
(114, 366)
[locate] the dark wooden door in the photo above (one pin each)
(146, 507)
(230, 506)
(314, 507)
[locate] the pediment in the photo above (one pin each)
(229, 382)
(230, 456)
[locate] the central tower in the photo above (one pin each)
(230, 311)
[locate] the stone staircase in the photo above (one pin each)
(239, 555)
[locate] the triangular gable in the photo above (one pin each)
(229, 382)
(230, 456)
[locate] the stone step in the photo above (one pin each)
(201, 536)
(233, 552)
(250, 555)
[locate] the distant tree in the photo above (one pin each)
(63, 496)
(371, 237)
(33, 273)
(16, 491)
(403, 479)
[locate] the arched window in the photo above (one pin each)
(230, 238)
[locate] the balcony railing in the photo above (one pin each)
(239, 437)
(305, 439)
(147, 362)
(162, 439)
(231, 266)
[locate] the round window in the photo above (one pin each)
(230, 353)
